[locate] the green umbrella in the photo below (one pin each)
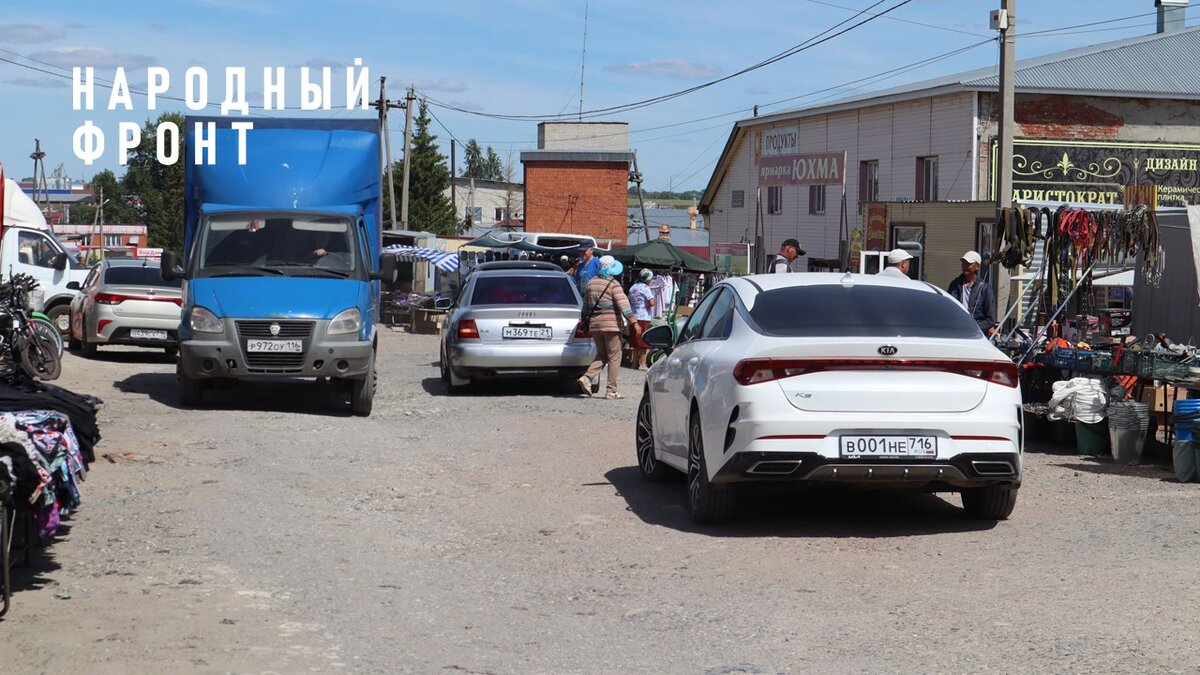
(660, 253)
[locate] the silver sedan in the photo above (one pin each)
(124, 301)
(514, 319)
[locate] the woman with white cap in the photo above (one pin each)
(606, 304)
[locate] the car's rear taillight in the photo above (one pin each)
(580, 332)
(755, 371)
(110, 298)
(468, 330)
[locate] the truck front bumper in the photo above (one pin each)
(225, 355)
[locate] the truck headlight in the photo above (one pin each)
(347, 321)
(204, 321)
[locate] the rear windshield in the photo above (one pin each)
(861, 311)
(523, 290)
(138, 276)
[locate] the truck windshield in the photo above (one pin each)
(275, 245)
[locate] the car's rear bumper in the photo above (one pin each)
(116, 330)
(520, 359)
(963, 471)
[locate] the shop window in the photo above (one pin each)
(738, 199)
(927, 179)
(911, 238)
(816, 199)
(775, 199)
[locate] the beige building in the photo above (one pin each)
(486, 204)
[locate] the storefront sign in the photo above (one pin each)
(780, 141)
(1095, 172)
(856, 247)
(732, 258)
(877, 234)
(824, 168)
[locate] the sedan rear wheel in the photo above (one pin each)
(990, 503)
(651, 469)
(707, 503)
(88, 349)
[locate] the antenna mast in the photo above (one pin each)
(583, 58)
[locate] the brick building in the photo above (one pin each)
(576, 181)
(1089, 122)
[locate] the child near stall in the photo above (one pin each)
(641, 301)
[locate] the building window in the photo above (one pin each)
(112, 240)
(868, 181)
(775, 199)
(816, 199)
(738, 199)
(473, 216)
(500, 214)
(927, 179)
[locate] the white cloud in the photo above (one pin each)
(158, 25)
(29, 33)
(75, 25)
(325, 63)
(37, 82)
(677, 68)
(92, 56)
(452, 86)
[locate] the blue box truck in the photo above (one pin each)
(281, 256)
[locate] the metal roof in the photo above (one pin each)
(1161, 65)
(576, 156)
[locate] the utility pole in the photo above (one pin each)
(100, 220)
(409, 97)
(383, 105)
(453, 178)
(1006, 22)
(636, 177)
(41, 191)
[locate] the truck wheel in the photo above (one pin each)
(989, 503)
(189, 388)
(362, 392)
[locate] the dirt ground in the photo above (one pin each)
(507, 531)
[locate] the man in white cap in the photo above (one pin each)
(899, 261)
(974, 293)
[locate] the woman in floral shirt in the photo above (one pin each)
(641, 301)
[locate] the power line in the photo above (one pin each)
(896, 18)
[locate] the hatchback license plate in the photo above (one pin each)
(143, 334)
(276, 346)
(527, 332)
(888, 447)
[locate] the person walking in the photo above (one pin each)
(788, 251)
(641, 301)
(974, 293)
(899, 262)
(586, 268)
(610, 304)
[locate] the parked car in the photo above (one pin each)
(823, 378)
(514, 319)
(124, 301)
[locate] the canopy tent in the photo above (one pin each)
(447, 261)
(16, 208)
(490, 240)
(660, 253)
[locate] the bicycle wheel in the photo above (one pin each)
(50, 333)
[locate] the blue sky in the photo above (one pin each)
(520, 57)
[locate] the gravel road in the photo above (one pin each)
(507, 531)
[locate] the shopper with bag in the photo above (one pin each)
(605, 305)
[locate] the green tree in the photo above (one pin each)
(118, 206)
(495, 167)
(158, 188)
(480, 164)
(429, 207)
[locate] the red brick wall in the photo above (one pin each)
(577, 198)
(1060, 117)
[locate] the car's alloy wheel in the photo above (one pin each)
(707, 503)
(651, 469)
(990, 503)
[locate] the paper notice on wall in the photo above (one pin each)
(1194, 229)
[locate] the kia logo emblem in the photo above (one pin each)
(888, 350)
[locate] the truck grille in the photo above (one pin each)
(273, 362)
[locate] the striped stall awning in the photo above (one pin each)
(446, 261)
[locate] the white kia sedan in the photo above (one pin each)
(837, 379)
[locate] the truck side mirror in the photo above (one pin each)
(60, 261)
(387, 269)
(169, 267)
(73, 286)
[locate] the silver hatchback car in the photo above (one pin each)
(515, 319)
(124, 301)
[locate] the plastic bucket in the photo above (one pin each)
(1091, 439)
(1127, 444)
(1184, 460)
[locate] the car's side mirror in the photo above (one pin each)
(73, 286)
(387, 269)
(61, 260)
(443, 303)
(169, 267)
(659, 337)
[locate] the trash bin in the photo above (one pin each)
(1184, 459)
